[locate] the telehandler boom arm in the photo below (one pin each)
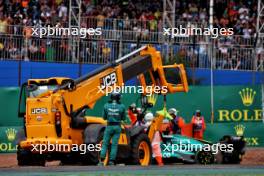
(86, 90)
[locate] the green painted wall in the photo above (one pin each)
(9, 106)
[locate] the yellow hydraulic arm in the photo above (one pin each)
(85, 91)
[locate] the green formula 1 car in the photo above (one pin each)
(178, 148)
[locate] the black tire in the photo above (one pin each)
(219, 158)
(137, 152)
(204, 157)
(23, 157)
(26, 158)
(93, 157)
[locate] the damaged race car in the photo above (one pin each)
(179, 148)
(186, 149)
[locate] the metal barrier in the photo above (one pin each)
(234, 58)
(131, 34)
(55, 50)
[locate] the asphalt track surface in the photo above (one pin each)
(179, 170)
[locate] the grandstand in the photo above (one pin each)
(129, 23)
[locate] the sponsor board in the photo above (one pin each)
(244, 110)
(8, 139)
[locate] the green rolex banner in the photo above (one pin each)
(8, 138)
(238, 104)
(238, 111)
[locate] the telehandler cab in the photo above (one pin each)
(53, 111)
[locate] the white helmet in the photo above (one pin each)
(149, 117)
(173, 111)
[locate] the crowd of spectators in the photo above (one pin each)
(129, 14)
(147, 16)
(137, 16)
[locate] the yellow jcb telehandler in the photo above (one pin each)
(53, 111)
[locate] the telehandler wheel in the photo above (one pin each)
(141, 150)
(23, 157)
(93, 157)
(26, 158)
